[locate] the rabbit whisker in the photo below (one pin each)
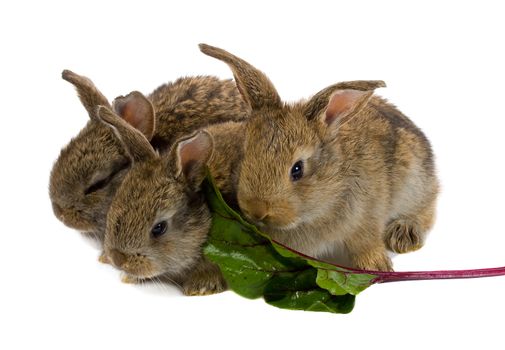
(178, 285)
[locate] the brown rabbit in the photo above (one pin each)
(159, 219)
(344, 170)
(90, 168)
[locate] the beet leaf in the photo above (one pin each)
(256, 266)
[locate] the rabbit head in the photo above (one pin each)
(158, 219)
(89, 169)
(285, 173)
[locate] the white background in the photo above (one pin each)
(444, 66)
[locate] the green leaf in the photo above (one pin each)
(299, 291)
(340, 283)
(253, 265)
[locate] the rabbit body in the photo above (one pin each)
(90, 168)
(372, 188)
(163, 191)
(344, 171)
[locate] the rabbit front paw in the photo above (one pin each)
(373, 261)
(204, 285)
(129, 279)
(403, 236)
(104, 259)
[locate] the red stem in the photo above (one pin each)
(383, 277)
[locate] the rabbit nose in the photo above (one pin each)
(256, 210)
(118, 258)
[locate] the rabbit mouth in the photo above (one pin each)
(128, 277)
(133, 265)
(158, 279)
(270, 223)
(139, 274)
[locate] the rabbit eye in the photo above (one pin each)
(159, 229)
(297, 171)
(97, 186)
(102, 183)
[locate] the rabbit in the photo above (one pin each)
(159, 219)
(90, 168)
(342, 171)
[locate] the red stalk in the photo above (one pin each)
(393, 276)
(383, 277)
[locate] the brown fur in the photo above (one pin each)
(167, 188)
(90, 168)
(369, 181)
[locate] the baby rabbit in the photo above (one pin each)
(90, 168)
(343, 170)
(159, 219)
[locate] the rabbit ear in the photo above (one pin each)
(344, 103)
(341, 105)
(192, 155)
(135, 143)
(89, 95)
(254, 86)
(138, 111)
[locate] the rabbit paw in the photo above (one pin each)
(403, 236)
(373, 262)
(204, 285)
(104, 259)
(129, 279)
